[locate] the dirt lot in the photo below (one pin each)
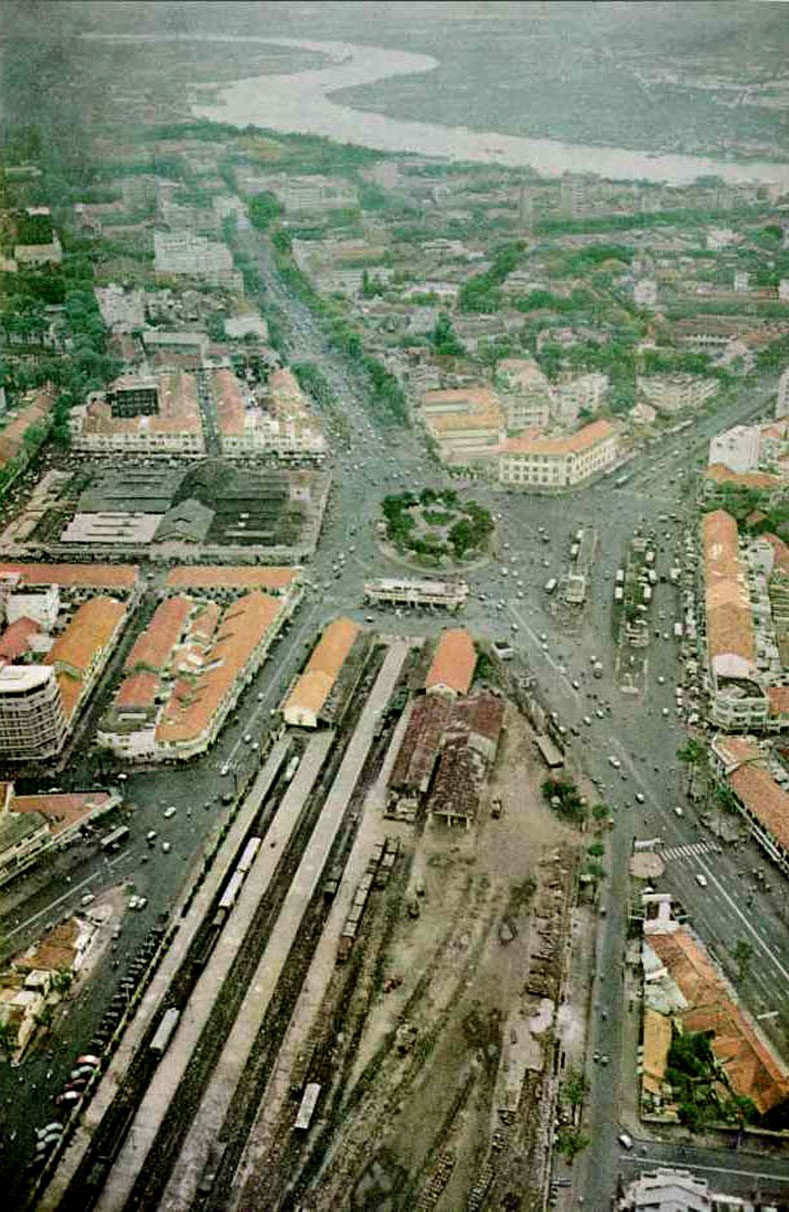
(441, 1026)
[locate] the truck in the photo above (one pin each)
(550, 585)
(620, 576)
(678, 631)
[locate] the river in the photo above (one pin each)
(302, 103)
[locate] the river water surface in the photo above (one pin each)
(302, 102)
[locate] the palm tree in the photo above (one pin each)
(693, 755)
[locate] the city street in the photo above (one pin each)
(632, 729)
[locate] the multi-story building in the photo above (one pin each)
(80, 653)
(33, 724)
(525, 394)
(551, 464)
(737, 448)
(569, 397)
(185, 673)
(466, 423)
(392, 591)
(737, 698)
(176, 428)
(759, 798)
(182, 253)
(300, 195)
(276, 420)
(133, 396)
(676, 392)
(123, 311)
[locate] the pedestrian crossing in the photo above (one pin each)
(690, 850)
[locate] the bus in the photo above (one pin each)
(164, 1031)
(307, 1107)
(114, 839)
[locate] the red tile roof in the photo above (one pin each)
(15, 640)
(220, 576)
(93, 576)
(315, 684)
(719, 473)
(532, 442)
(138, 690)
(764, 799)
(63, 811)
(750, 1064)
(91, 629)
(195, 701)
(454, 661)
(728, 608)
(229, 402)
(153, 646)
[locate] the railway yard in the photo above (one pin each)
(348, 1002)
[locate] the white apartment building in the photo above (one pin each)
(32, 721)
(183, 252)
(736, 448)
(586, 391)
(552, 464)
(673, 393)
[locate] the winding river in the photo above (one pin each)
(302, 102)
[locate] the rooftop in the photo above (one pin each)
(230, 576)
(533, 441)
(751, 1067)
(196, 698)
(92, 576)
(315, 684)
(454, 661)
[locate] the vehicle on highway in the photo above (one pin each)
(168, 812)
(678, 811)
(701, 880)
(614, 761)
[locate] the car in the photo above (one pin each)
(166, 847)
(247, 738)
(587, 720)
(88, 1059)
(639, 797)
(169, 812)
(678, 811)
(87, 899)
(150, 837)
(225, 771)
(614, 761)
(625, 1140)
(701, 880)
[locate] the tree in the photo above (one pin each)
(692, 754)
(444, 338)
(597, 850)
(264, 208)
(600, 812)
(570, 1142)
(742, 955)
(574, 1087)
